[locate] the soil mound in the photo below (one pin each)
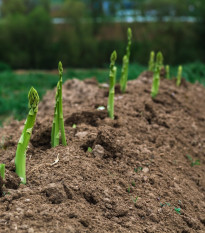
(145, 173)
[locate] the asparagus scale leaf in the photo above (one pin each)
(58, 121)
(20, 159)
(125, 62)
(112, 78)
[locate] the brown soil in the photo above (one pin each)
(138, 177)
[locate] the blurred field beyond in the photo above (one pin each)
(83, 33)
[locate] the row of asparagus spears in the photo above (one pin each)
(58, 130)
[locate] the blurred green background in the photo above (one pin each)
(36, 34)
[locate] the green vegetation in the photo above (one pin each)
(90, 149)
(167, 72)
(2, 170)
(58, 122)
(179, 76)
(151, 61)
(193, 163)
(20, 159)
(112, 77)
(125, 62)
(138, 169)
(135, 199)
(129, 189)
(133, 184)
(177, 210)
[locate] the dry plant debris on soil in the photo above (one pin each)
(136, 173)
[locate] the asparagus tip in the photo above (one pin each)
(113, 56)
(60, 68)
(129, 33)
(33, 98)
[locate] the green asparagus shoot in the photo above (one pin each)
(124, 73)
(20, 159)
(2, 170)
(159, 60)
(151, 61)
(58, 122)
(155, 82)
(167, 72)
(125, 61)
(112, 77)
(129, 37)
(179, 75)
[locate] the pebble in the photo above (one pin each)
(98, 151)
(145, 169)
(81, 135)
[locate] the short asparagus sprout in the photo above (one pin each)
(20, 159)
(155, 82)
(179, 75)
(159, 60)
(112, 77)
(58, 122)
(151, 61)
(125, 61)
(167, 72)
(2, 170)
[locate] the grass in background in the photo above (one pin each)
(14, 87)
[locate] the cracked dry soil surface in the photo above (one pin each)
(138, 177)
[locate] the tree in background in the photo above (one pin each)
(26, 34)
(13, 7)
(77, 36)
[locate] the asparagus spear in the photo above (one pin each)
(179, 75)
(112, 77)
(151, 61)
(61, 121)
(124, 73)
(55, 127)
(58, 122)
(159, 60)
(2, 170)
(155, 82)
(167, 72)
(20, 159)
(126, 59)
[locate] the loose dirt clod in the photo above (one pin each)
(143, 149)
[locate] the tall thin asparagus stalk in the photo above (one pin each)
(20, 159)
(112, 77)
(179, 76)
(2, 170)
(151, 61)
(58, 122)
(125, 61)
